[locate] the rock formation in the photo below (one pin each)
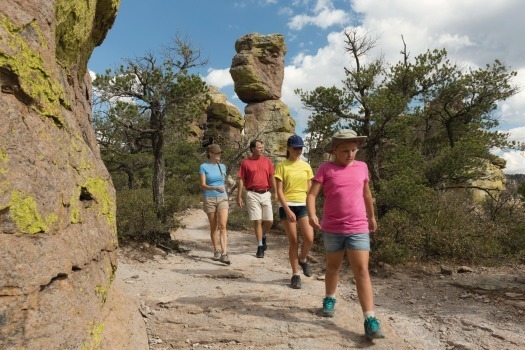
(57, 202)
(491, 181)
(223, 123)
(258, 72)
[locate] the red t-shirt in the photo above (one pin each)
(256, 173)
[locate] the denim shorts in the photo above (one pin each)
(299, 211)
(335, 242)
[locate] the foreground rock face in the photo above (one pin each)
(258, 72)
(57, 202)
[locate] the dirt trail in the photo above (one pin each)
(190, 301)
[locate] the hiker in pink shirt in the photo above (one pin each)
(348, 218)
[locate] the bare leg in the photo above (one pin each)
(308, 236)
(290, 229)
(358, 260)
(257, 226)
(212, 218)
(223, 219)
(267, 225)
(333, 265)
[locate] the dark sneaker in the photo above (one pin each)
(264, 243)
(260, 252)
(328, 307)
(373, 329)
(224, 259)
(216, 255)
(296, 282)
(306, 268)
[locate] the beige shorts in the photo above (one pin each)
(259, 206)
(212, 204)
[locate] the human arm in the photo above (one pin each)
(274, 188)
(280, 194)
(369, 205)
(240, 187)
(310, 204)
(207, 187)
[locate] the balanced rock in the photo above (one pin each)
(258, 68)
(57, 201)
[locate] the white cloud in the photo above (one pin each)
(219, 77)
(474, 32)
(285, 11)
(513, 109)
(515, 162)
(324, 68)
(324, 16)
(454, 41)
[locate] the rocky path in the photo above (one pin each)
(190, 301)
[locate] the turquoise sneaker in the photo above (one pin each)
(373, 329)
(328, 307)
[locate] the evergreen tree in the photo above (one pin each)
(151, 97)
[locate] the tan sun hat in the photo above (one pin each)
(341, 136)
(214, 148)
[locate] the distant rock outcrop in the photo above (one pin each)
(258, 72)
(57, 201)
(224, 121)
(491, 181)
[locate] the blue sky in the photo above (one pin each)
(473, 35)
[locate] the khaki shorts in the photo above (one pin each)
(212, 204)
(259, 206)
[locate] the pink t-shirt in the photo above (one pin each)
(344, 208)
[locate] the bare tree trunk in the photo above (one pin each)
(159, 165)
(159, 169)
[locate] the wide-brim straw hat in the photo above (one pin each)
(341, 136)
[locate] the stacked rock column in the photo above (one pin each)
(258, 72)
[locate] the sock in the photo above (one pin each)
(330, 296)
(297, 274)
(260, 244)
(264, 236)
(303, 261)
(368, 314)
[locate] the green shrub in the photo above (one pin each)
(450, 228)
(238, 219)
(137, 218)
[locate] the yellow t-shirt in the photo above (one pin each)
(294, 176)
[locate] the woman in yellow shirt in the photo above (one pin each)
(293, 178)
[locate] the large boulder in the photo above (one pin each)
(57, 201)
(258, 68)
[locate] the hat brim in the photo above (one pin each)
(329, 148)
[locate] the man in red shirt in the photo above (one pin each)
(256, 174)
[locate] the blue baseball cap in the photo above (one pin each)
(295, 141)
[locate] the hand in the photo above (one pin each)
(219, 189)
(314, 221)
(372, 224)
(239, 201)
(291, 216)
